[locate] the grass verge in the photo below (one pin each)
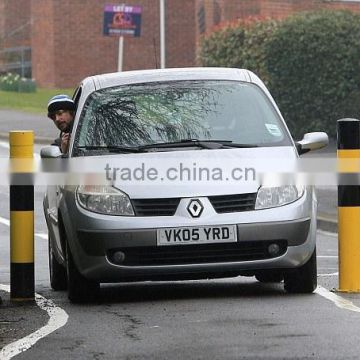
(30, 102)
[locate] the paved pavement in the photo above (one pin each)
(18, 320)
(43, 127)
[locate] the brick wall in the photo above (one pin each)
(42, 43)
(68, 45)
(14, 28)
(282, 8)
(16, 23)
(279, 8)
(234, 9)
(2, 32)
(2, 21)
(75, 47)
(243, 8)
(180, 33)
(144, 52)
(67, 42)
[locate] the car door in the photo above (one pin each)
(53, 197)
(51, 214)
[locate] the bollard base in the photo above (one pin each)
(347, 291)
(22, 300)
(22, 282)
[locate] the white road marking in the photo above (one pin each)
(4, 221)
(330, 274)
(327, 256)
(336, 299)
(4, 144)
(327, 233)
(57, 319)
(42, 235)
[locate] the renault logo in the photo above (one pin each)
(195, 208)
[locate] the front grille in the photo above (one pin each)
(198, 254)
(155, 207)
(233, 203)
(167, 206)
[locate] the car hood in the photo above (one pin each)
(216, 179)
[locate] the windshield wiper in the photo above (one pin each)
(205, 144)
(111, 148)
(243, 146)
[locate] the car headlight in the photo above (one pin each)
(268, 197)
(104, 200)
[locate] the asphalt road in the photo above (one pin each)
(42, 126)
(219, 319)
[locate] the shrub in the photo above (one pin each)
(314, 64)
(223, 47)
(27, 85)
(9, 82)
(239, 44)
(13, 82)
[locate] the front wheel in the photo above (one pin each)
(302, 280)
(58, 279)
(80, 289)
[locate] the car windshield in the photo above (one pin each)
(138, 115)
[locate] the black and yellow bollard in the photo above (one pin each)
(22, 281)
(348, 134)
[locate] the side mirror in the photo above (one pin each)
(50, 152)
(312, 141)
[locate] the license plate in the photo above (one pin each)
(197, 235)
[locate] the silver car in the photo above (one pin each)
(179, 229)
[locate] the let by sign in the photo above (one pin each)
(122, 20)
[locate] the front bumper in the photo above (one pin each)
(95, 250)
(93, 239)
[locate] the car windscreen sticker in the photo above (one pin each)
(273, 129)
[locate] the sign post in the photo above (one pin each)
(122, 20)
(162, 35)
(121, 53)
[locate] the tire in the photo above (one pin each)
(58, 277)
(302, 280)
(269, 276)
(80, 289)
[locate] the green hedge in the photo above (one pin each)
(13, 82)
(239, 45)
(314, 61)
(310, 62)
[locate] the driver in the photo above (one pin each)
(61, 109)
